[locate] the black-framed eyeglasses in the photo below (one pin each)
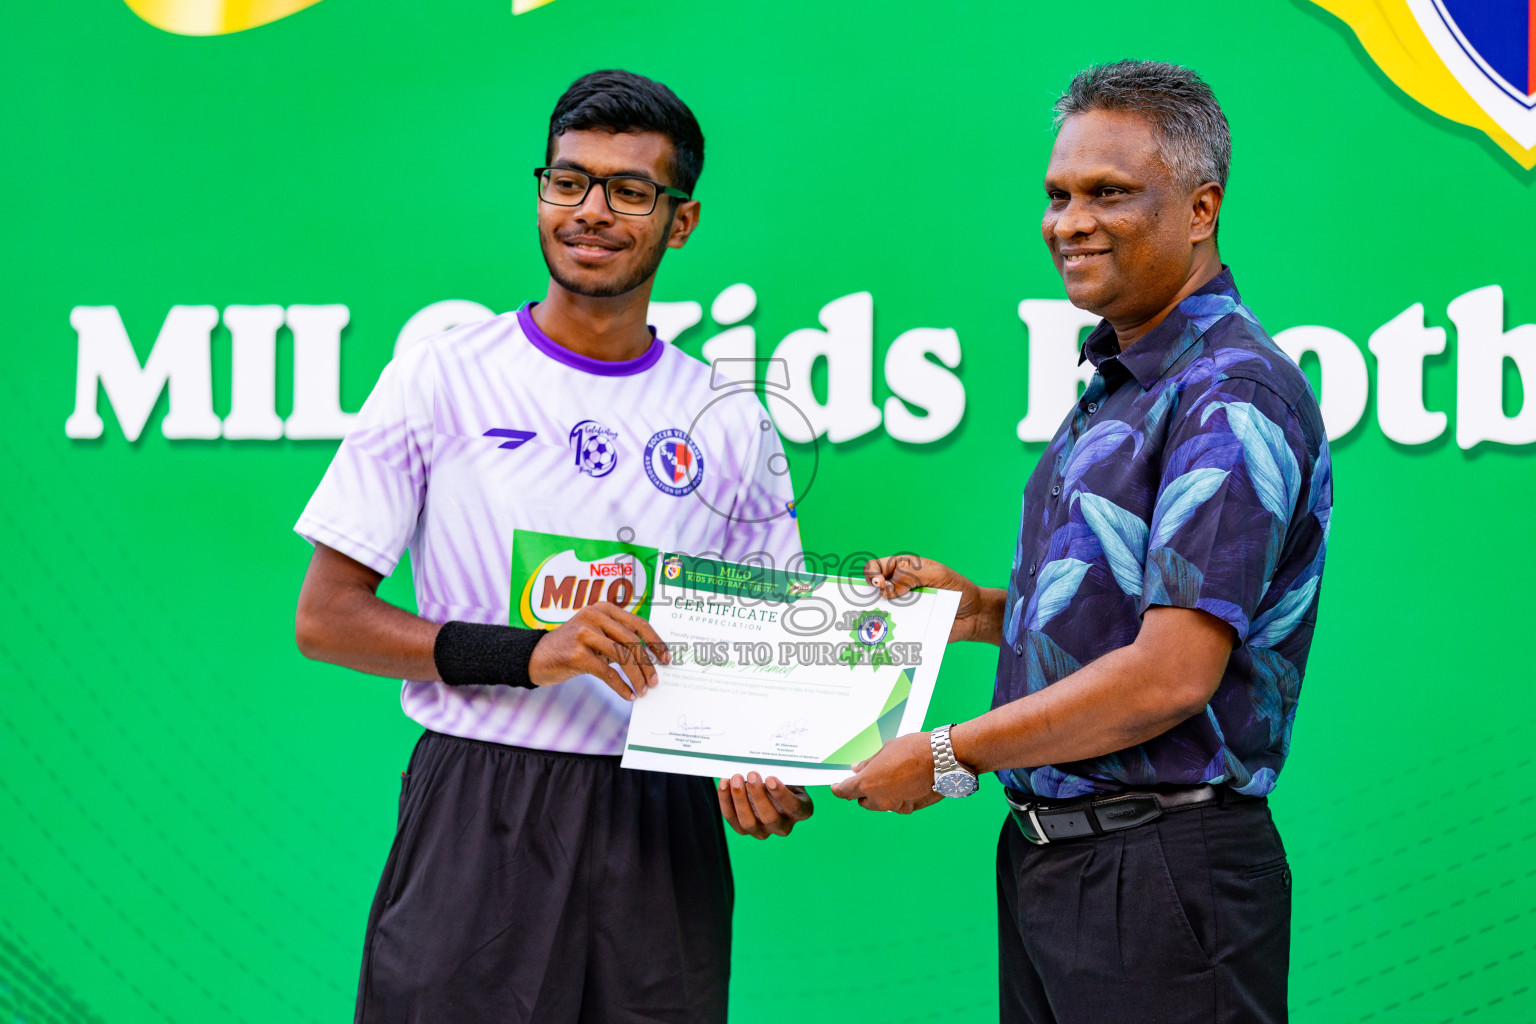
(626, 194)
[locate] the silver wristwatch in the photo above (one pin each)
(950, 777)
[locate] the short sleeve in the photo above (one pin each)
(764, 519)
(369, 501)
(1234, 468)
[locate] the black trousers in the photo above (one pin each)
(559, 888)
(1185, 919)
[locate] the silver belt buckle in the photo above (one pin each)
(1028, 807)
(1035, 821)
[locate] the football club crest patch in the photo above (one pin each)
(673, 462)
(1473, 61)
(871, 631)
(596, 448)
(672, 568)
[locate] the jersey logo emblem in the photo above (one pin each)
(673, 462)
(1472, 61)
(554, 577)
(514, 438)
(596, 448)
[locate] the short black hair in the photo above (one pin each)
(622, 101)
(1193, 135)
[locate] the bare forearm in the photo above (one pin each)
(1101, 708)
(990, 616)
(1124, 698)
(1119, 700)
(342, 621)
(366, 633)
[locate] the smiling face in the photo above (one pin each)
(1127, 241)
(592, 251)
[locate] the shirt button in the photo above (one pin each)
(1031, 568)
(1093, 407)
(1055, 490)
(1018, 649)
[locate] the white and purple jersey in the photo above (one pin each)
(529, 481)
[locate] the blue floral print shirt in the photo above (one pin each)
(1193, 473)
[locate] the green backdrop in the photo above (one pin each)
(192, 817)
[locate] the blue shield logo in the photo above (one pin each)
(1496, 35)
(1473, 61)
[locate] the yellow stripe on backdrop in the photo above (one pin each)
(221, 17)
(1386, 28)
(1392, 36)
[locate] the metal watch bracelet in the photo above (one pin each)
(950, 777)
(943, 751)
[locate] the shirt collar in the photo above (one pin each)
(1151, 356)
(601, 367)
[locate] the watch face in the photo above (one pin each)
(955, 784)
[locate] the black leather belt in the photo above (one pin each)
(1048, 821)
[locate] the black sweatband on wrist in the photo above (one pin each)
(479, 654)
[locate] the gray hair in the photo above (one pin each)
(1194, 140)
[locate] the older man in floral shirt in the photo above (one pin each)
(1161, 604)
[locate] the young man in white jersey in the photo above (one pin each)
(534, 464)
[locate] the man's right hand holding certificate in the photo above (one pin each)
(980, 615)
(1126, 697)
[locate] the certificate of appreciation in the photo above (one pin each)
(785, 673)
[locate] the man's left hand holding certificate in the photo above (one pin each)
(782, 674)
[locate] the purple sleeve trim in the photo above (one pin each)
(601, 367)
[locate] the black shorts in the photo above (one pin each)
(528, 885)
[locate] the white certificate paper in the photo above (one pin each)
(789, 674)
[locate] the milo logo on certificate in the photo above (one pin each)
(554, 577)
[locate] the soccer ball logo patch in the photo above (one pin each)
(596, 448)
